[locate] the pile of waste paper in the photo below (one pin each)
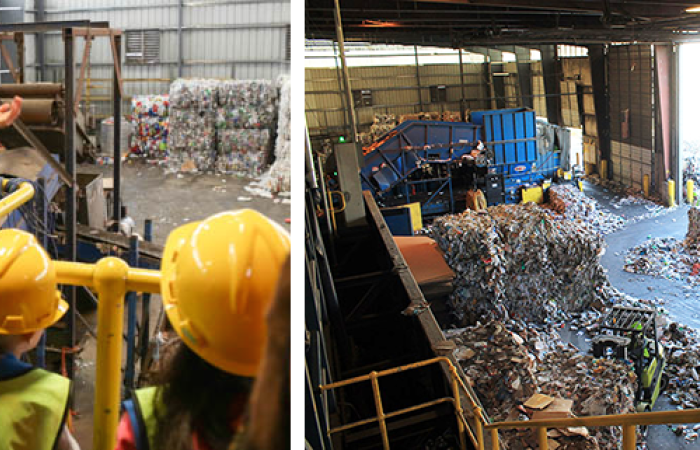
(382, 124)
(520, 373)
(519, 261)
(573, 204)
(668, 257)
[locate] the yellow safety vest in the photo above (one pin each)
(145, 407)
(32, 410)
(144, 401)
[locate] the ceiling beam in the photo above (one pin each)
(633, 8)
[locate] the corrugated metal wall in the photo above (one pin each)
(241, 39)
(631, 113)
(395, 90)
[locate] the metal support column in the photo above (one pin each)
(40, 6)
(42, 236)
(420, 86)
(598, 55)
(71, 190)
(552, 88)
(117, 113)
(130, 370)
(145, 305)
(346, 72)
(180, 44)
(522, 58)
(462, 106)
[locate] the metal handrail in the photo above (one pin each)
(628, 422)
(456, 384)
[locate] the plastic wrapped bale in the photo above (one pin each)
(150, 119)
(192, 138)
(278, 178)
(243, 152)
(196, 93)
(246, 104)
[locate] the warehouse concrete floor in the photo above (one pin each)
(682, 303)
(170, 201)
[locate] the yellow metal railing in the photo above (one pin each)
(456, 385)
(22, 195)
(628, 422)
(111, 278)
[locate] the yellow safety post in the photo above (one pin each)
(111, 278)
(495, 445)
(22, 195)
(646, 185)
(671, 193)
(690, 189)
(629, 437)
(542, 438)
(580, 185)
(604, 169)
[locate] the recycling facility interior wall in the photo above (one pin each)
(395, 90)
(630, 70)
(578, 106)
(220, 39)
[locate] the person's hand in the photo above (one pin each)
(10, 111)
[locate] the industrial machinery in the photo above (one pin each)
(629, 334)
(435, 163)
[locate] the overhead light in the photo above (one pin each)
(694, 9)
(379, 24)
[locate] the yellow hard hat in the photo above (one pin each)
(29, 300)
(219, 278)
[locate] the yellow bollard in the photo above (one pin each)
(580, 185)
(629, 437)
(604, 169)
(671, 193)
(542, 438)
(646, 185)
(690, 189)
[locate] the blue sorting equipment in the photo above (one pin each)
(512, 136)
(409, 147)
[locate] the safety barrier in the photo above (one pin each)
(628, 422)
(456, 384)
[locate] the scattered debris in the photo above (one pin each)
(541, 377)
(668, 257)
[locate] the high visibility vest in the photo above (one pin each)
(141, 411)
(33, 409)
(142, 414)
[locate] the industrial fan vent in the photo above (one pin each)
(143, 46)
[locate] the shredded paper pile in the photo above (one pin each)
(509, 367)
(519, 261)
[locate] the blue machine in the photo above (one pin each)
(411, 147)
(414, 162)
(512, 136)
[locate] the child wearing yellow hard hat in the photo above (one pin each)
(33, 402)
(218, 281)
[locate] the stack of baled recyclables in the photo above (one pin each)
(223, 126)
(511, 134)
